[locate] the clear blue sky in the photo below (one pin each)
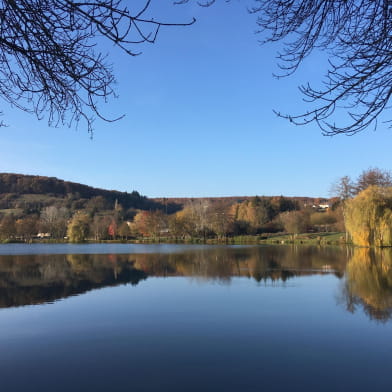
(199, 121)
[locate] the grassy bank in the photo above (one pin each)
(308, 239)
(272, 239)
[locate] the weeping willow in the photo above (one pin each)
(369, 217)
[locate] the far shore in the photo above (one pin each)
(319, 239)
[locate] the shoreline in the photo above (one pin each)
(318, 239)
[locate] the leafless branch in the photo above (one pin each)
(357, 36)
(50, 64)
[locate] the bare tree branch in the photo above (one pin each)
(49, 61)
(357, 36)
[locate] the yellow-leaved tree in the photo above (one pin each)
(78, 227)
(369, 282)
(369, 217)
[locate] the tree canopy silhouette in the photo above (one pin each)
(50, 64)
(49, 61)
(357, 37)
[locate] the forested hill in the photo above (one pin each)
(14, 188)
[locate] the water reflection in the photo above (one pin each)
(35, 279)
(369, 283)
(26, 280)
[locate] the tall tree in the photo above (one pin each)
(221, 220)
(344, 188)
(99, 226)
(54, 220)
(252, 214)
(373, 177)
(181, 225)
(294, 222)
(26, 227)
(369, 217)
(78, 227)
(124, 231)
(198, 212)
(7, 227)
(156, 223)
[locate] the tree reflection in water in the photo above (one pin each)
(368, 283)
(36, 279)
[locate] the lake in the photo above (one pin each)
(125, 317)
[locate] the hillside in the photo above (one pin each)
(26, 194)
(32, 193)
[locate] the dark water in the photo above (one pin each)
(179, 318)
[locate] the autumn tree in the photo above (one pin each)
(369, 217)
(50, 63)
(221, 221)
(251, 215)
(243, 217)
(156, 223)
(78, 227)
(112, 228)
(345, 188)
(294, 222)
(181, 225)
(322, 219)
(196, 217)
(139, 224)
(149, 223)
(124, 231)
(241, 226)
(26, 228)
(54, 220)
(99, 226)
(7, 227)
(97, 203)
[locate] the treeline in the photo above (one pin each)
(197, 219)
(260, 215)
(59, 222)
(203, 219)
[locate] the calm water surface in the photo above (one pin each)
(194, 318)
